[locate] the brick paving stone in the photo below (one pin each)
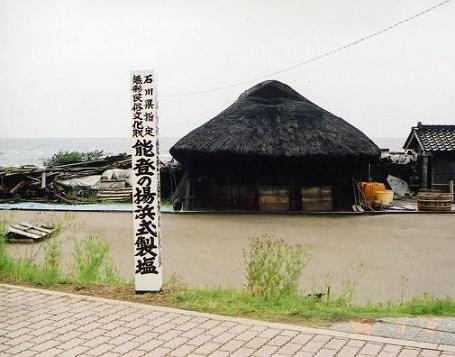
(279, 340)
(116, 332)
(133, 353)
(125, 347)
(266, 350)
(27, 353)
(232, 345)
(429, 353)
(335, 344)
(76, 351)
(224, 337)
(219, 354)
(348, 351)
(100, 350)
(302, 338)
(209, 324)
(256, 343)
(246, 335)
(15, 341)
(306, 354)
(291, 333)
(269, 333)
(135, 323)
(65, 325)
(239, 328)
(166, 326)
(119, 340)
(184, 350)
(45, 345)
(207, 348)
(175, 342)
(16, 349)
(322, 338)
(188, 326)
(387, 354)
(151, 345)
(50, 353)
(200, 340)
(145, 337)
(227, 324)
(313, 346)
(193, 333)
(95, 341)
(92, 334)
(169, 335)
(371, 349)
(289, 349)
(3, 348)
(356, 343)
(326, 353)
(405, 352)
(72, 343)
(242, 352)
(391, 348)
(65, 336)
(161, 351)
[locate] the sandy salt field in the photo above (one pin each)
(387, 255)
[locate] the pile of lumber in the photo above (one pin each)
(31, 183)
(27, 232)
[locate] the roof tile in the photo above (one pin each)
(436, 137)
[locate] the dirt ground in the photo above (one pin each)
(389, 257)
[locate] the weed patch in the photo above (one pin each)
(274, 267)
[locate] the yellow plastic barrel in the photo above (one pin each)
(386, 197)
(370, 189)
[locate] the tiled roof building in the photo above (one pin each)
(435, 145)
(432, 138)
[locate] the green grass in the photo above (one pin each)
(273, 267)
(91, 257)
(91, 261)
(72, 157)
(295, 308)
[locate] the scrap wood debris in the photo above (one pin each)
(26, 232)
(71, 183)
(105, 179)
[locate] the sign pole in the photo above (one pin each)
(146, 183)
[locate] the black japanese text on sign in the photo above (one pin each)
(146, 200)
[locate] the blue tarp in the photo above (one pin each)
(114, 207)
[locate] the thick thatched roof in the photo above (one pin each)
(273, 121)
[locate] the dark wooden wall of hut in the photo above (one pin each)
(237, 185)
(441, 169)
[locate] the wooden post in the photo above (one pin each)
(43, 180)
(187, 200)
(451, 188)
(424, 172)
(145, 181)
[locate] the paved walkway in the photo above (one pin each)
(41, 323)
(438, 330)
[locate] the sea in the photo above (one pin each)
(33, 151)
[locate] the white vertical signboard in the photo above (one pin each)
(146, 194)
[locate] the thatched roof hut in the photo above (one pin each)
(271, 120)
(272, 133)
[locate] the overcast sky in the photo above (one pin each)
(65, 65)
